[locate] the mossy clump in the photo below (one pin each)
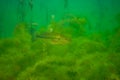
(63, 53)
(89, 67)
(83, 46)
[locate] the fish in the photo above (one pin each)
(45, 36)
(54, 38)
(61, 41)
(35, 24)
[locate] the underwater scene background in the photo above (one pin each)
(59, 39)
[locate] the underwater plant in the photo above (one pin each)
(117, 17)
(65, 4)
(114, 37)
(114, 40)
(76, 24)
(21, 10)
(21, 32)
(73, 26)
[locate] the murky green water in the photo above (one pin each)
(59, 40)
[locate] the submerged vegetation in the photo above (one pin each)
(62, 51)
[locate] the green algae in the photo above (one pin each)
(82, 58)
